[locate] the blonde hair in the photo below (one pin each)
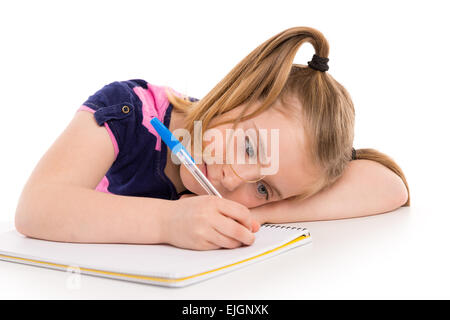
(268, 75)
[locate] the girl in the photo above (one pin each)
(111, 147)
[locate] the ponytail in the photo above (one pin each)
(268, 74)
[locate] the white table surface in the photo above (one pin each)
(402, 254)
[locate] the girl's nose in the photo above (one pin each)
(230, 181)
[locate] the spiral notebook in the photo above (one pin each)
(159, 264)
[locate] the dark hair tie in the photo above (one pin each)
(318, 63)
(353, 154)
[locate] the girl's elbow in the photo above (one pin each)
(25, 217)
(403, 195)
(399, 193)
(22, 221)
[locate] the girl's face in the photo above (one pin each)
(293, 174)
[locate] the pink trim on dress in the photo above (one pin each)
(108, 129)
(103, 185)
(154, 104)
(85, 108)
(113, 140)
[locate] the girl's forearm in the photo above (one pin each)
(74, 214)
(365, 188)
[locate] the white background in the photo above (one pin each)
(392, 56)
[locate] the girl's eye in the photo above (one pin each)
(262, 190)
(249, 148)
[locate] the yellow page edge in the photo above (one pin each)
(132, 276)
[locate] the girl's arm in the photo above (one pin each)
(365, 188)
(59, 202)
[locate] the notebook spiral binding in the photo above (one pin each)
(268, 225)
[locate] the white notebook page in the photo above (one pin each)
(163, 261)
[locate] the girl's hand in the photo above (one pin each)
(208, 222)
(259, 214)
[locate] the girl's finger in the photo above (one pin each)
(223, 241)
(236, 211)
(210, 246)
(232, 229)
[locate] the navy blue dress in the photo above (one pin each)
(125, 109)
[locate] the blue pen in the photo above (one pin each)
(180, 151)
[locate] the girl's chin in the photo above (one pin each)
(193, 185)
(197, 189)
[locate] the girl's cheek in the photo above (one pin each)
(244, 197)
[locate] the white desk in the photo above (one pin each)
(403, 254)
